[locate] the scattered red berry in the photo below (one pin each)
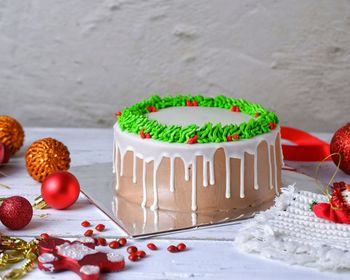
(85, 223)
(89, 232)
(100, 227)
(131, 249)
(257, 114)
(114, 244)
(172, 249)
(181, 247)
(235, 109)
(229, 138)
(141, 254)
(236, 136)
(151, 246)
(133, 257)
(122, 241)
(101, 241)
(44, 235)
(272, 125)
(193, 140)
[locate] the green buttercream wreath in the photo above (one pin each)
(135, 120)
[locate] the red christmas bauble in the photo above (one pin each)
(60, 190)
(4, 154)
(16, 212)
(341, 144)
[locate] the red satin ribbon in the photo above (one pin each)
(307, 148)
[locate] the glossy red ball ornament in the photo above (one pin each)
(340, 144)
(16, 212)
(60, 190)
(4, 154)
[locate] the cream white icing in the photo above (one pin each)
(76, 251)
(150, 150)
(113, 257)
(90, 269)
(46, 258)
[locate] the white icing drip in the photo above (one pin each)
(194, 186)
(134, 164)
(256, 186)
(228, 176)
(205, 172)
(144, 187)
(194, 217)
(115, 167)
(90, 269)
(241, 170)
(114, 153)
(46, 258)
(76, 251)
(275, 168)
(121, 163)
(270, 165)
(49, 266)
(172, 171)
(113, 257)
(211, 172)
(149, 150)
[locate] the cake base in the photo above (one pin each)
(98, 185)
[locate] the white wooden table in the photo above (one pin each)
(211, 253)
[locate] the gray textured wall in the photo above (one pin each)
(74, 63)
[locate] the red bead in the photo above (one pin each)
(114, 244)
(101, 241)
(148, 135)
(44, 235)
(142, 134)
(181, 247)
(236, 136)
(141, 254)
(85, 223)
(188, 103)
(89, 232)
(229, 138)
(272, 125)
(133, 257)
(100, 227)
(257, 114)
(118, 114)
(151, 246)
(194, 103)
(193, 140)
(235, 109)
(172, 249)
(154, 109)
(131, 249)
(122, 241)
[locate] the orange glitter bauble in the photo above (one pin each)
(11, 134)
(46, 156)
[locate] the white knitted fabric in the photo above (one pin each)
(290, 232)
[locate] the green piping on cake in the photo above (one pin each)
(135, 120)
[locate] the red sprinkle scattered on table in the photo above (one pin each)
(85, 223)
(100, 227)
(101, 241)
(44, 235)
(131, 249)
(151, 246)
(89, 232)
(133, 257)
(172, 249)
(181, 247)
(141, 254)
(122, 241)
(235, 109)
(114, 244)
(193, 140)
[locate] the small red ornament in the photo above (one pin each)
(5, 154)
(89, 232)
(131, 249)
(133, 257)
(16, 212)
(85, 223)
(114, 244)
(60, 190)
(141, 254)
(181, 247)
(172, 249)
(80, 257)
(100, 227)
(340, 144)
(122, 241)
(151, 246)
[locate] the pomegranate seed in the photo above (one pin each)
(236, 136)
(181, 247)
(257, 114)
(133, 257)
(89, 232)
(122, 241)
(229, 138)
(172, 249)
(151, 246)
(85, 223)
(44, 235)
(101, 241)
(114, 244)
(131, 249)
(100, 227)
(141, 254)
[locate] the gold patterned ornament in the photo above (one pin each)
(11, 133)
(46, 156)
